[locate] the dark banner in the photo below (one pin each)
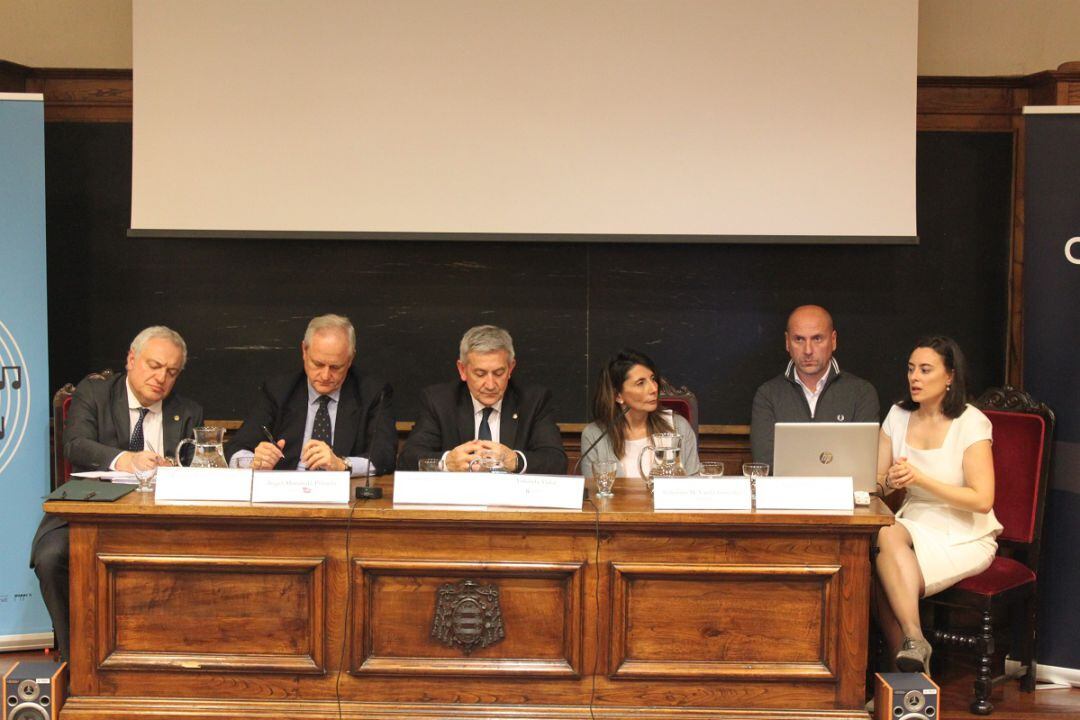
(1052, 361)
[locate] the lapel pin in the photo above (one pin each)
(176, 418)
(514, 416)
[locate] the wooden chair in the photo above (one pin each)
(1023, 430)
(681, 401)
(61, 468)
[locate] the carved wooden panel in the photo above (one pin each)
(710, 621)
(212, 613)
(393, 611)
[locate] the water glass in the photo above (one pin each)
(711, 469)
(491, 462)
(430, 464)
(603, 472)
(145, 476)
(755, 470)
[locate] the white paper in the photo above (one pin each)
(488, 489)
(805, 493)
(695, 493)
(115, 476)
(291, 486)
(185, 483)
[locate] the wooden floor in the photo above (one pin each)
(1009, 702)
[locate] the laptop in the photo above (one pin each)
(828, 449)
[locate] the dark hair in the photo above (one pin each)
(956, 396)
(606, 411)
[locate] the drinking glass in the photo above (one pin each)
(604, 475)
(491, 461)
(430, 464)
(711, 469)
(145, 475)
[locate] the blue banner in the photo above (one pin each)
(1051, 339)
(24, 370)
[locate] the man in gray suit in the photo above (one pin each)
(125, 422)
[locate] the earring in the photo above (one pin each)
(948, 387)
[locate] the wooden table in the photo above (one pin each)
(245, 611)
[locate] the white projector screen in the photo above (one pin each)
(704, 119)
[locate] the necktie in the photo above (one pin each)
(321, 429)
(138, 442)
(485, 429)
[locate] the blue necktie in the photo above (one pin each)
(138, 443)
(320, 430)
(485, 429)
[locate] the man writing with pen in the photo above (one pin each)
(121, 422)
(327, 417)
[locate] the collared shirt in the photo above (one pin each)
(360, 465)
(153, 429)
(812, 394)
(493, 419)
(494, 423)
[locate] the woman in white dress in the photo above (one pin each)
(626, 411)
(936, 447)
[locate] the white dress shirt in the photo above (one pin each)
(812, 394)
(494, 424)
(153, 431)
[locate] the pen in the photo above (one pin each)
(269, 435)
(90, 494)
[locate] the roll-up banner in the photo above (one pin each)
(24, 370)
(1052, 366)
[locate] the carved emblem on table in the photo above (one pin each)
(467, 616)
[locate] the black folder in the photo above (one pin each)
(90, 490)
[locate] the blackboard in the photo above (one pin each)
(711, 315)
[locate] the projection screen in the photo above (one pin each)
(594, 119)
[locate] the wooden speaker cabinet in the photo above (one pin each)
(34, 690)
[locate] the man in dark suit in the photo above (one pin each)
(124, 422)
(327, 417)
(487, 414)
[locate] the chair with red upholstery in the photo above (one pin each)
(1023, 430)
(61, 468)
(680, 401)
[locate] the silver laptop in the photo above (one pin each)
(820, 449)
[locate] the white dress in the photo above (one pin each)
(950, 544)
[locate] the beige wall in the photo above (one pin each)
(956, 37)
(66, 33)
(997, 37)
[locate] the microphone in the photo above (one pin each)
(623, 409)
(366, 492)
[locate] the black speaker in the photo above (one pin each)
(34, 690)
(905, 696)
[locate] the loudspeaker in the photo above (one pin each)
(34, 690)
(906, 696)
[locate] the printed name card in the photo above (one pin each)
(694, 493)
(488, 489)
(184, 483)
(273, 486)
(805, 493)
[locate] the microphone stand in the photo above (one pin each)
(366, 492)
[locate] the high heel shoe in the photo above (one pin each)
(914, 656)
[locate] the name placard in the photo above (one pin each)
(287, 486)
(488, 489)
(805, 493)
(185, 483)
(693, 493)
